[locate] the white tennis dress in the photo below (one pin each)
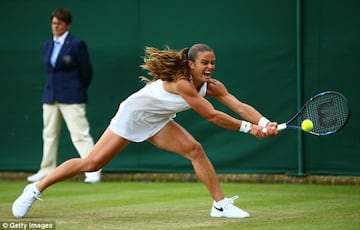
(147, 111)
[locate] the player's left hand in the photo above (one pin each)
(257, 131)
(271, 129)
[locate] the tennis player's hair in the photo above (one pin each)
(169, 64)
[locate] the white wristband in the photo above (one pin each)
(245, 127)
(263, 122)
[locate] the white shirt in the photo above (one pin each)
(61, 39)
(58, 43)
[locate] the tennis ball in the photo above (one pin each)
(307, 125)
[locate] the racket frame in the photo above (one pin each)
(299, 113)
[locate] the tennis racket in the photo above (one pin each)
(329, 111)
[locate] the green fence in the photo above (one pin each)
(268, 53)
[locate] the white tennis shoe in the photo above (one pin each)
(225, 208)
(92, 177)
(36, 177)
(23, 203)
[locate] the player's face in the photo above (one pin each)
(203, 66)
(58, 27)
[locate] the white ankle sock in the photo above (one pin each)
(36, 190)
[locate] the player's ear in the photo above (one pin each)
(190, 64)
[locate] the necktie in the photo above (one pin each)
(55, 53)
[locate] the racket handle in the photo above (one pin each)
(282, 126)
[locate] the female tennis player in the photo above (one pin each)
(180, 81)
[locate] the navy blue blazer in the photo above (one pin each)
(68, 81)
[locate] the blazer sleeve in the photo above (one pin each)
(85, 67)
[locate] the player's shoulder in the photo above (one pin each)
(215, 84)
(182, 86)
(215, 88)
(182, 83)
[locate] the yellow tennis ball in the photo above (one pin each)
(307, 125)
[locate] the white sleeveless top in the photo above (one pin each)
(147, 111)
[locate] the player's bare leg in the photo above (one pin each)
(186, 145)
(104, 150)
(174, 138)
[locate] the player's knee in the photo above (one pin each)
(92, 165)
(196, 151)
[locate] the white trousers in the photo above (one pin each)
(78, 126)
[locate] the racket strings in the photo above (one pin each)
(328, 112)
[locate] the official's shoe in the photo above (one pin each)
(92, 177)
(23, 203)
(36, 177)
(225, 208)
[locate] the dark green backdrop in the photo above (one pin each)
(262, 48)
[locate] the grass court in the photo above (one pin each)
(181, 205)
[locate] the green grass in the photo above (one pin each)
(137, 205)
